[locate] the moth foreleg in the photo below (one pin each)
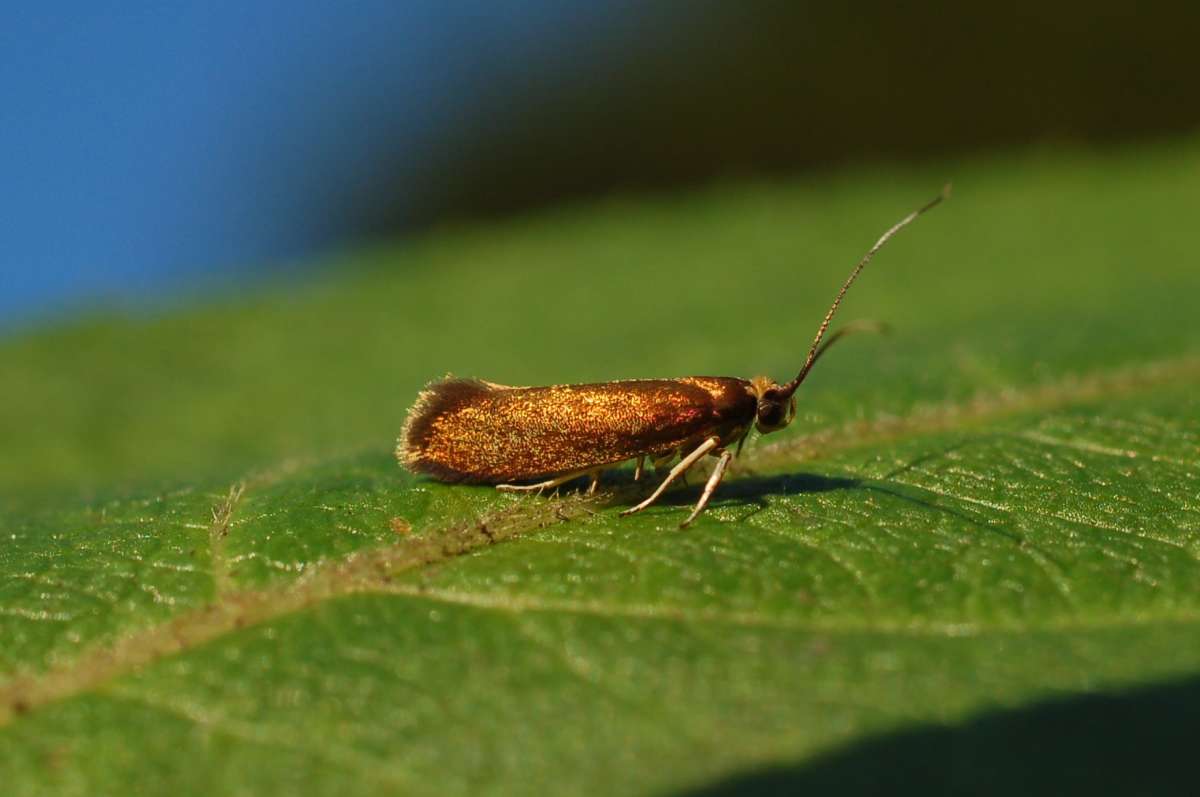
(710, 487)
(684, 464)
(540, 486)
(595, 476)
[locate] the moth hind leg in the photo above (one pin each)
(539, 487)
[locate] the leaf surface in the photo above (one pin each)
(215, 579)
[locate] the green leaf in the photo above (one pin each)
(972, 564)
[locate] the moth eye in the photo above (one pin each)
(770, 415)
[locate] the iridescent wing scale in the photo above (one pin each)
(468, 430)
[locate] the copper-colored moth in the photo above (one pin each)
(471, 431)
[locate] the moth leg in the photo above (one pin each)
(710, 487)
(595, 476)
(637, 471)
(540, 486)
(684, 464)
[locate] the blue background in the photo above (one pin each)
(152, 150)
(146, 147)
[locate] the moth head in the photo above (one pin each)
(776, 409)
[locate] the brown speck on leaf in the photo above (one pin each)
(56, 758)
(820, 646)
(399, 525)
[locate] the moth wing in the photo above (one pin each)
(469, 430)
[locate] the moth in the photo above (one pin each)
(476, 432)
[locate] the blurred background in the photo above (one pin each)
(150, 151)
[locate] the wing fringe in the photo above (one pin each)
(435, 400)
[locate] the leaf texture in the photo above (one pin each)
(972, 562)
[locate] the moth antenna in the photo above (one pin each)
(817, 350)
(853, 328)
